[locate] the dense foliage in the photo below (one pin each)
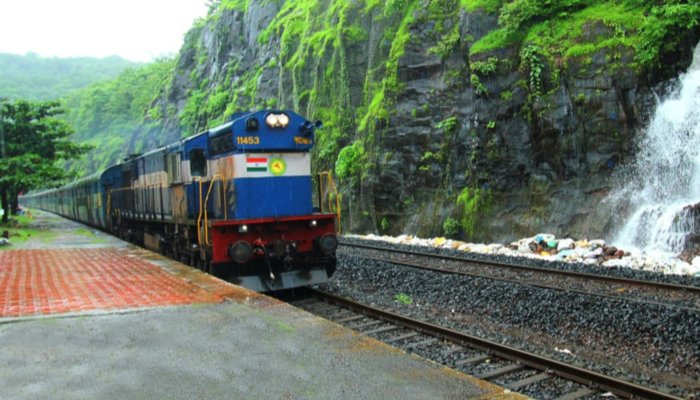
(33, 143)
(36, 78)
(108, 114)
(561, 29)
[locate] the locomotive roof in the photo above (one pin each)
(213, 131)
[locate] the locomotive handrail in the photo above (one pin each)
(333, 190)
(199, 216)
(203, 209)
(206, 201)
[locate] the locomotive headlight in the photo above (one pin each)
(240, 251)
(283, 120)
(271, 120)
(313, 224)
(277, 120)
(243, 229)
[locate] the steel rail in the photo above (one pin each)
(580, 375)
(517, 267)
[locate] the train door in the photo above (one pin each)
(175, 202)
(198, 172)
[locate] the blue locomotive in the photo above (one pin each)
(236, 201)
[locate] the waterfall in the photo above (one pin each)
(665, 178)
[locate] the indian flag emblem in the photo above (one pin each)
(256, 164)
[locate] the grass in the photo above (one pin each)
(90, 233)
(567, 36)
(490, 6)
(20, 230)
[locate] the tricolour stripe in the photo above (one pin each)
(297, 164)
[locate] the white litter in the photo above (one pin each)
(565, 351)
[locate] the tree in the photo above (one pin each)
(33, 142)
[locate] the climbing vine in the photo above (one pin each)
(474, 203)
(531, 62)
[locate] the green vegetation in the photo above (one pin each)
(451, 227)
(384, 224)
(567, 29)
(20, 229)
(474, 203)
(447, 44)
(35, 78)
(448, 124)
(403, 298)
(350, 160)
(33, 143)
(107, 114)
(490, 6)
(479, 87)
(485, 67)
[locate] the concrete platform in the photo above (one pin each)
(106, 320)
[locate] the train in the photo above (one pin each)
(238, 201)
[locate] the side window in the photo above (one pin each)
(198, 162)
(221, 143)
(172, 167)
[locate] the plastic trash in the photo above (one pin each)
(565, 244)
(595, 253)
(597, 243)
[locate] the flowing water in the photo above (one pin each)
(665, 178)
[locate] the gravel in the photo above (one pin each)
(644, 343)
(619, 272)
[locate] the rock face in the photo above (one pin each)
(692, 241)
(444, 133)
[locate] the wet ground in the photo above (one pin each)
(86, 315)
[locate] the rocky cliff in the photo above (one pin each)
(443, 116)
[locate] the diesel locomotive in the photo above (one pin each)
(237, 201)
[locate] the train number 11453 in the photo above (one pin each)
(250, 140)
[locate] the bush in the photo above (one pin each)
(451, 227)
(350, 160)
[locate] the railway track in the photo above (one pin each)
(514, 369)
(666, 294)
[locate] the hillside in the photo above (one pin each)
(115, 116)
(485, 119)
(32, 77)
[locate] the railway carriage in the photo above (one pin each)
(236, 201)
